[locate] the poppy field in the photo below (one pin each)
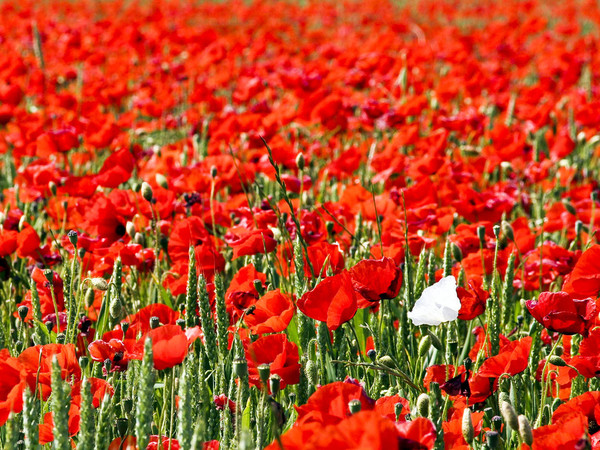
(299, 224)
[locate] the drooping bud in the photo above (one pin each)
(509, 415)
(525, 430)
(557, 361)
(424, 345)
(100, 284)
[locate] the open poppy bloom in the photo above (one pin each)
(169, 346)
(438, 303)
(333, 300)
(376, 280)
(277, 351)
(558, 311)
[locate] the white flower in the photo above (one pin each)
(438, 303)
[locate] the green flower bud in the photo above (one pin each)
(509, 415)
(525, 430)
(146, 191)
(423, 405)
(468, 431)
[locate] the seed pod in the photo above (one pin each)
(354, 406)
(468, 431)
(264, 371)
(73, 237)
(240, 367)
(509, 415)
(275, 384)
(423, 405)
(492, 439)
(525, 430)
(154, 322)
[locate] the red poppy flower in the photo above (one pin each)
(12, 385)
(250, 242)
(272, 313)
(418, 433)
(584, 280)
(376, 280)
(241, 293)
(169, 346)
(568, 431)
(37, 365)
(279, 353)
(386, 406)
(140, 321)
(333, 301)
(116, 351)
(472, 301)
(558, 311)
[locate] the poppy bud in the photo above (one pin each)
(457, 253)
(107, 365)
(275, 384)
(130, 229)
(154, 322)
(569, 207)
(509, 415)
(23, 310)
(49, 325)
(300, 161)
(386, 361)
(115, 308)
(89, 297)
(100, 284)
(354, 406)
(468, 431)
(423, 405)
(213, 171)
(161, 180)
(424, 345)
(578, 228)
(22, 222)
(49, 276)
(435, 341)
(481, 235)
(507, 230)
(73, 237)
(52, 187)
(139, 239)
(146, 191)
(559, 350)
(264, 370)
(83, 362)
(503, 397)
(557, 361)
(81, 252)
(525, 430)
(493, 439)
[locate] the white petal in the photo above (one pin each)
(438, 303)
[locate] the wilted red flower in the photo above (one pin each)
(376, 279)
(279, 353)
(333, 301)
(558, 311)
(272, 313)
